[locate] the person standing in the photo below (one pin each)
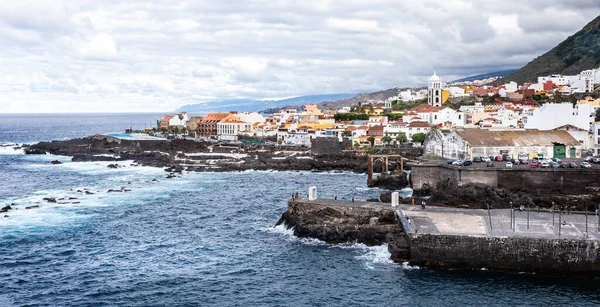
(423, 204)
(412, 200)
(352, 198)
(335, 196)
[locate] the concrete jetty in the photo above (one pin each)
(505, 239)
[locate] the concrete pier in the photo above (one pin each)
(457, 238)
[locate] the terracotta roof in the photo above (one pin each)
(376, 129)
(418, 125)
(516, 138)
(167, 117)
(351, 128)
(363, 127)
(214, 116)
(425, 108)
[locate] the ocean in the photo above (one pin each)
(204, 239)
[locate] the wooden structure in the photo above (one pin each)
(385, 160)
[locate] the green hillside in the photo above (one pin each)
(578, 52)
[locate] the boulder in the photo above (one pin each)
(32, 207)
(50, 199)
(5, 216)
(113, 166)
(55, 162)
(113, 191)
(89, 193)
(5, 209)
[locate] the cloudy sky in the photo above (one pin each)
(156, 55)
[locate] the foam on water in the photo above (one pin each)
(9, 150)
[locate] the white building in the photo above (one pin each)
(434, 90)
(553, 115)
(596, 139)
(436, 115)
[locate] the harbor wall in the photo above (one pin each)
(567, 181)
(580, 257)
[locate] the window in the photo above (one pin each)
(435, 117)
(459, 116)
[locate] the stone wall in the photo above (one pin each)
(329, 145)
(567, 181)
(580, 257)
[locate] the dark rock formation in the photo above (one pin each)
(50, 199)
(34, 151)
(32, 207)
(391, 182)
(113, 166)
(55, 162)
(339, 224)
(5, 209)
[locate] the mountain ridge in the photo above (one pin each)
(580, 51)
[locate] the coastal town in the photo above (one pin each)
(556, 117)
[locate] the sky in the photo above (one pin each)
(156, 55)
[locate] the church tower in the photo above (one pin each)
(434, 90)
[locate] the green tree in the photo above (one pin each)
(371, 140)
(418, 137)
(347, 133)
(180, 116)
(386, 139)
(401, 138)
(356, 145)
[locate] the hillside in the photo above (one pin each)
(578, 52)
(243, 105)
(501, 73)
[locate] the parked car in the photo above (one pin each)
(498, 158)
(485, 159)
(477, 160)
(572, 165)
(450, 161)
(586, 164)
(490, 164)
(587, 159)
(596, 160)
(515, 161)
(556, 160)
(523, 161)
(534, 163)
(554, 165)
(467, 163)
(457, 162)
(544, 164)
(509, 164)
(506, 157)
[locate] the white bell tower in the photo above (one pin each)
(434, 91)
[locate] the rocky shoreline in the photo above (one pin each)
(177, 156)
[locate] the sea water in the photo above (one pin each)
(205, 239)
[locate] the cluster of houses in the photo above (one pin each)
(559, 129)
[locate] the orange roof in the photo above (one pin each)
(425, 108)
(418, 125)
(215, 116)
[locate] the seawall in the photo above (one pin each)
(565, 181)
(521, 254)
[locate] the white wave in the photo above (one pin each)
(288, 233)
(9, 150)
(407, 266)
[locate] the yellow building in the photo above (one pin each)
(589, 101)
(445, 95)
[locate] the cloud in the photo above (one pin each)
(156, 55)
(100, 47)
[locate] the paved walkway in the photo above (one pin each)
(441, 220)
